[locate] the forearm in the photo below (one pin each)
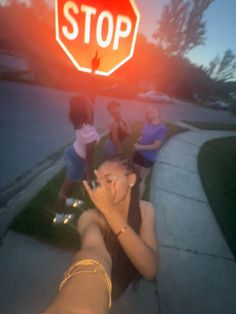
(86, 292)
(148, 146)
(129, 239)
(126, 128)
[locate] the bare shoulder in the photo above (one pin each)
(147, 209)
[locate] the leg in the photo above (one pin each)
(86, 293)
(65, 191)
(75, 172)
(143, 173)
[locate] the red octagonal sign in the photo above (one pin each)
(97, 35)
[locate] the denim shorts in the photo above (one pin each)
(75, 164)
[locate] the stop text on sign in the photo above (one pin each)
(104, 16)
(97, 32)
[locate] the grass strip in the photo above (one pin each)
(212, 126)
(217, 168)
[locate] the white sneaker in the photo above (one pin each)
(72, 202)
(62, 218)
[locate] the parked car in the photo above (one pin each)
(219, 105)
(154, 96)
(117, 90)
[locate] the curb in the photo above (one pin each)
(28, 186)
(16, 203)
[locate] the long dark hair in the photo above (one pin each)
(80, 111)
(123, 271)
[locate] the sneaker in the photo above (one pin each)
(72, 202)
(62, 218)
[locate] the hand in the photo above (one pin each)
(136, 146)
(102, 196)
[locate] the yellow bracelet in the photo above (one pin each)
(99, 268)
(121, 231)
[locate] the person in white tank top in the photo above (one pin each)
(79, 155)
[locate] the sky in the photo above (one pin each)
(220, 26)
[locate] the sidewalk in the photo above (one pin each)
(197, 271)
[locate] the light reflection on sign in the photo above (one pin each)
(97, 35)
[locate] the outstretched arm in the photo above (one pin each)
(126, 128)
(87, 289)
(155, 145)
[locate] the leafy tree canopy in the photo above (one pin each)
(181, 26)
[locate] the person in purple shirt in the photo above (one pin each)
(147, 146)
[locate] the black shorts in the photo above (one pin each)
(142, 161)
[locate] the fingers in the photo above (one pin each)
(87, 187)
(100, 180)
(113, 185)
(113, 188)
(97, 178)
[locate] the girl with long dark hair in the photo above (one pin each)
(127, 223)
(118, 243)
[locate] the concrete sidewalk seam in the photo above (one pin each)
(186, 125)
(181, 195)
(178, 167)
(186, 142)
(158, 297)
(228, 259)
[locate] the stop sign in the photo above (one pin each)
(97, 35)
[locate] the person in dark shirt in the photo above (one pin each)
(118, 130)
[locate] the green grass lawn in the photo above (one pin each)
(212, 126)
(36, 218)
(217, 167)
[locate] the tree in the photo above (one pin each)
(223, 69)
(181, 26)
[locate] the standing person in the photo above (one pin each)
(127, 223)
(118, 130)
(147, 146)
(79, 155)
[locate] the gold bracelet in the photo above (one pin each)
(73, 271)
(121, 231)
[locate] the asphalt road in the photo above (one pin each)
(34, 123)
